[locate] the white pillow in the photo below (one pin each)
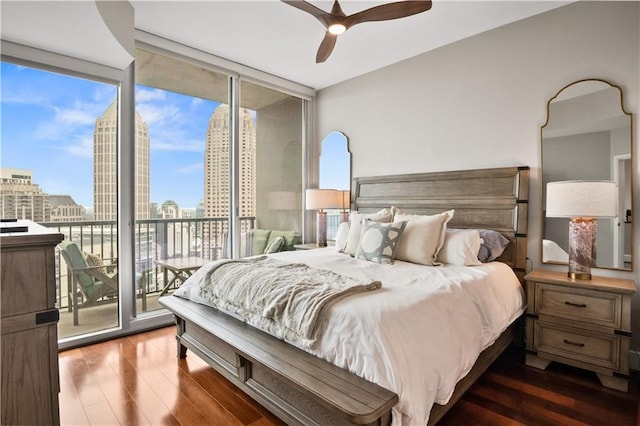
(423, 237)
(355, 227)
(342, 235)
(461, 247)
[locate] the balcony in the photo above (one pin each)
(155, 239)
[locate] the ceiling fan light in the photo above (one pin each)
(337, 29)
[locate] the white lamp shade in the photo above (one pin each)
(318, 199)
(576, 198)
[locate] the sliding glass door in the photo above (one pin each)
(149, 173)
(182, 171)
(59, 168)
(269, 169)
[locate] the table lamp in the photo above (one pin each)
(320, 199)
(345, 205)
(583, 202)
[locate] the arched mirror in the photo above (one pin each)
(588, 136)
(335, 173)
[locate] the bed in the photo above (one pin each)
(340, 381)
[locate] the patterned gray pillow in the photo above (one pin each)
(379, 241)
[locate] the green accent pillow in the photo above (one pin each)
(275, 245)
(259, 240)
(290, 238)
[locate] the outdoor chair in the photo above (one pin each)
(92, 280)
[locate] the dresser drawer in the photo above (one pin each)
(575, 304)
(593, 348)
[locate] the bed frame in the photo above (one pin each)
(302, 389)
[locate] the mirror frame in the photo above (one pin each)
(543, 190)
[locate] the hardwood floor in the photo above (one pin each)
(138, 380)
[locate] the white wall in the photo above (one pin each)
(480, 102)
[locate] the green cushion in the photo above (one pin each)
(275, 245)
(290, 238)
(77, 261)
(259, 240)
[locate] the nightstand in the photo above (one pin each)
(583, 323)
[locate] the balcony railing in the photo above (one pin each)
(154, 239)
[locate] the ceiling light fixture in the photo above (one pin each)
(337, 22)
(337, 29)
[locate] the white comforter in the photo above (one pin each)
(421, 332)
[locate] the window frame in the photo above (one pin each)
(124, 80)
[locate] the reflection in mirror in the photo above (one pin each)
(335, 173)
(587, 136)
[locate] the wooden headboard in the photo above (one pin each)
(483, 198)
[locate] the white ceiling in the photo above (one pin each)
(274, 37)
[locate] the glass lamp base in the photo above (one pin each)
(321, 230)
(582, 247)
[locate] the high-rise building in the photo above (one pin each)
(170, 210)
(65, 209)
(21, 198)
(105, 189)
(216, 162)
(216, 200)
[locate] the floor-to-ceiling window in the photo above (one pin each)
(183, 211)
(148, 171)
(269, 167)
(181, 168)
(59, 168)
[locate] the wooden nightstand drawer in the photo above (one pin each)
(584, 323)
(592, 348)
(575, 304)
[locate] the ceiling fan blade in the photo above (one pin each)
(319, 14)
(388, 11)
(326, 47)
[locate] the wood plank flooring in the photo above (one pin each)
(138, 380)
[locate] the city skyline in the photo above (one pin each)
(49, 119)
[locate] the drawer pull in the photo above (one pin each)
(569, 342)
(576, 305)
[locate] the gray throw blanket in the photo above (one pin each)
(288, 300)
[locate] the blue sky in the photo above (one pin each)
(47, 125)
(48, 122)
(334, 162)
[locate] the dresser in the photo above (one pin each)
(583, 323)
(29, 338)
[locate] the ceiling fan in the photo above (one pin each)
(336, 22)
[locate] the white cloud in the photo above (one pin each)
(82, 146)
(162, 114)
(74, 116)
(191, 168)
(104, 94)
(146, 95)
(69, 120)
(170, 142)
(170, 126)
(26, 97)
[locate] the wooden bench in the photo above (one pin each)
(296, 386)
